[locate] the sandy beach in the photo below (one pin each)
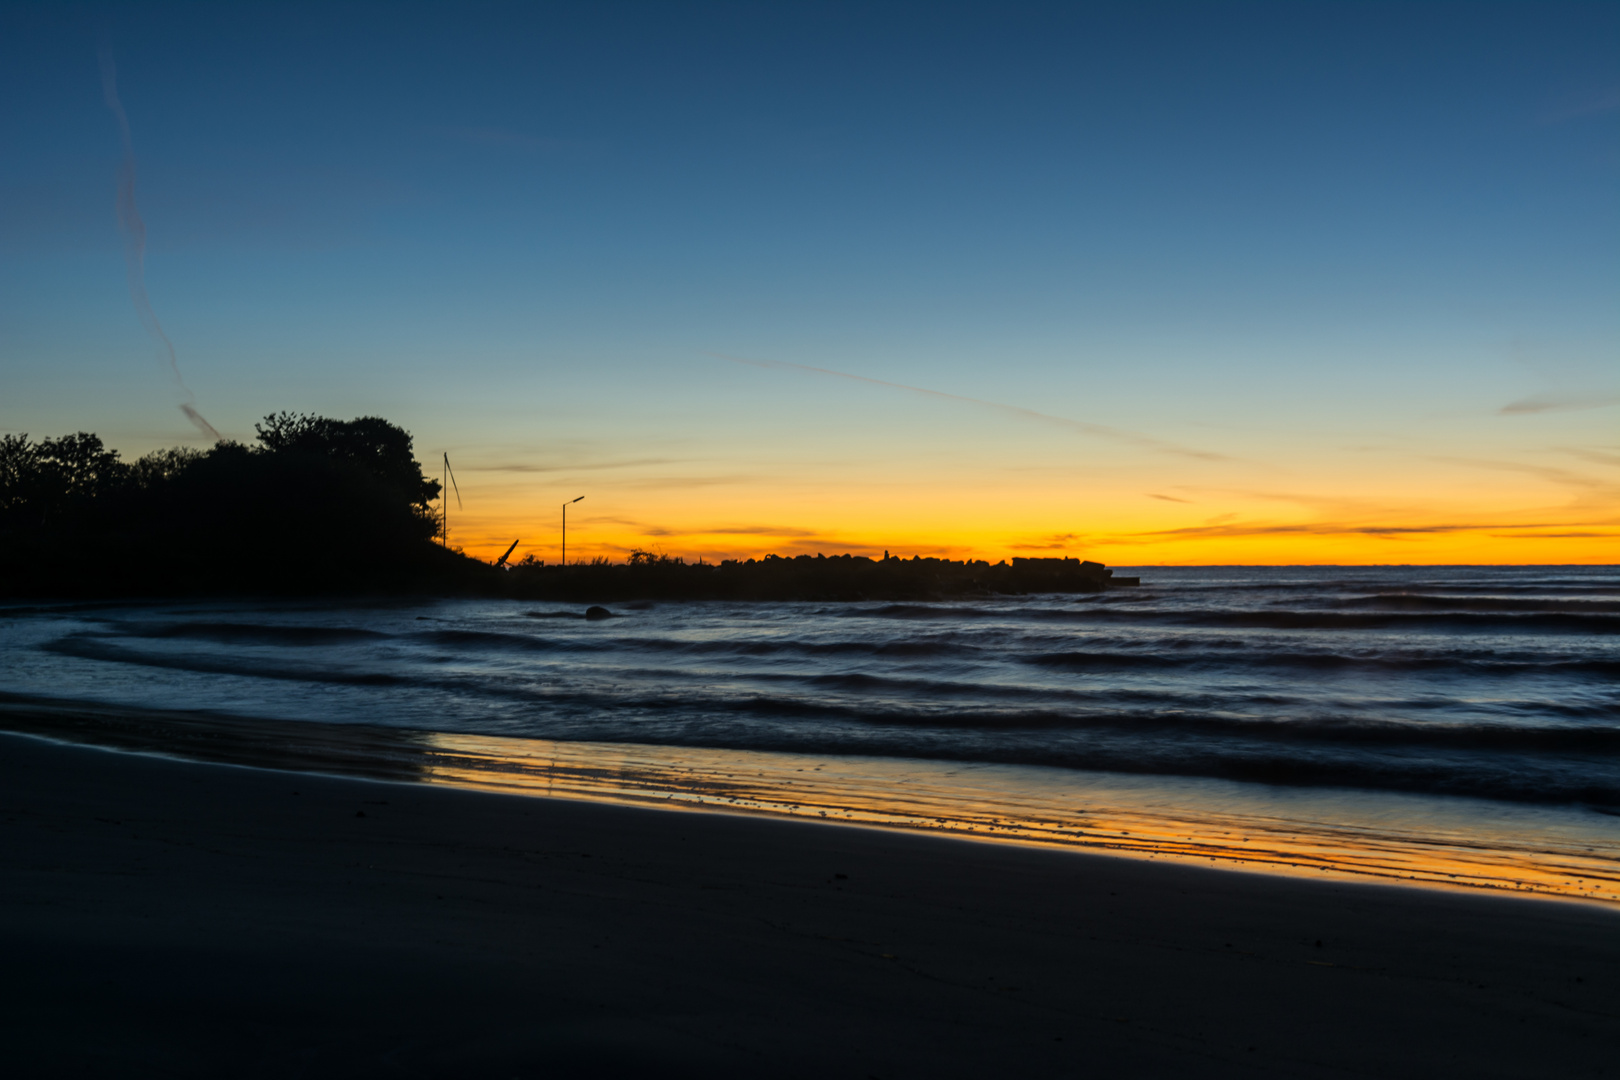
(171, 918)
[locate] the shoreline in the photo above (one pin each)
(1545, 853)
(165, 917)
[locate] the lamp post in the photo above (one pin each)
(566, 505)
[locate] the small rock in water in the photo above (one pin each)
(598, 612)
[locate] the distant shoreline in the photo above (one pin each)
(436, 572)
(805, 577)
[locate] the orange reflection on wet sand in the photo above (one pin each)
(1560, 852)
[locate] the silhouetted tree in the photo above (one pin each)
(319, 505)
(368, 442)
(161, 466)
(55, 476)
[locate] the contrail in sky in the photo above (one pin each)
(1101, 431)
(134, 228)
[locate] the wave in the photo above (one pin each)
(1522, 778)
(1230, 661)
(1502, 622)
(490, 639)
(1548, 778)
(1430, 602)
(1156, 653)
(1165, 581)
(1520, 782)
(1543, 764)
(938, 705)
(494, 640)
(89, 647)
(232, 633)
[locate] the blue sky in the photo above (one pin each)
(1331, 241)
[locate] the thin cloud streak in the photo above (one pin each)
(756, 530)
(134, 229)
(781, 532)
(1055, 542)
(1340, 529)
(1593, 488)
(516, 140)
(1565, 403)
(785, 531)
(1098, 430)
(518, 467)
(1597, 457)
(1594, 102)
(670, 483)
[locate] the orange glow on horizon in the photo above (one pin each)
(1123, 528)
(829, 465)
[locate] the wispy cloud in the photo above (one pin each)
(1168, 498)
(528, 467)
(1328, 528)
(1557, 536)
(668, 483)
(1597, 457)
(1101, 431)
(607, 519)
(756, 530)
(134, 229)
(1541, 403)
(1593, 490)
(1055, 542)
(1593, 102)
(786, 531)
(512, 140)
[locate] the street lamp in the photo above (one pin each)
(566, 505)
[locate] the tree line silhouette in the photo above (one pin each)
(314, 505)
(320, 506)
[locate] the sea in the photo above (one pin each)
(1454, 726)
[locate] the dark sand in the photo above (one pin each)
(169, 919)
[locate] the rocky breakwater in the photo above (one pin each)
(808, 577)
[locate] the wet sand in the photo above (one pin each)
(169, 918)
(1560, 851)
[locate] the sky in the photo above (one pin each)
(1205, 283)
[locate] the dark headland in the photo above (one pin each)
(318, 506)
(806, 577)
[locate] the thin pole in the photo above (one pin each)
(444, 493)
(566, 505)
